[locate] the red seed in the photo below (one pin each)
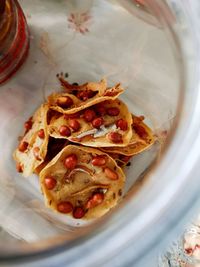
(28, 125)
(72, 116)
(98, 161)
(50, 183)
(65, 207)
(96, 123)
(41, 134)
(113, 111)
(71, 161)
(115, 137)
(89, 115)
(85, 95)
(78, 213)
(74, 124)
(36, 152)
(140, 131)
(64, 102)
(23, 146)
(100, 109)
(96, 200)
(122, 124)
(64, 130)
(110, 174)
(19, 167)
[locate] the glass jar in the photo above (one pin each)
(153, 52)
(14, 39)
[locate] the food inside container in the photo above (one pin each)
(84, 125)
(85, 178)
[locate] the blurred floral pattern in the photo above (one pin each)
(79, 22)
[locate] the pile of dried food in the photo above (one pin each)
(79, 142)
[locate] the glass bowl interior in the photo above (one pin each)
(86, 40)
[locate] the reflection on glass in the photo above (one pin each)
(14, 40)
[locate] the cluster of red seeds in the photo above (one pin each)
(70, 162)
(94, 116)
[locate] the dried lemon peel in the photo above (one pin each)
(67, 103)
(35, 151)
(88, 179)
(88, 133)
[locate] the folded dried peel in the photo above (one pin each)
(82, 179)
(84, 182)
(32, 148)
(141, 140)
(96, 126)
(83, 97)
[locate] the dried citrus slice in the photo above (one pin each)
(32, 148)
(106, 124)
(82, 97)
(84, 182)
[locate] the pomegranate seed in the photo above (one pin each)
(23, 146)
(140, 131)
(96, 123)
(72, 116)
(115, 137)
(64, 130)
(122, 124)
(64, 102)
(84, 95)
(89, 115)
(98, 161)
(19, 167)
(110, 174)
(71, 161)
(36, 152)
(65, 207)
(96, 200)
(28, 125)
(78, 213)
(41, 134)
(50, 183)
(113, 111)
(74, 124)
(100, 109)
